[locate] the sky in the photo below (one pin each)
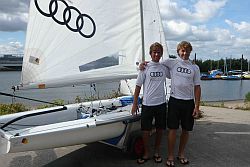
(216, 28)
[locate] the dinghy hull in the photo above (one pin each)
(34, 131)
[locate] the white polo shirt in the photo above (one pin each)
(153, 79)
(184, 76)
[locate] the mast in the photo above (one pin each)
(248, 65)
(142, 31)
(241, 67)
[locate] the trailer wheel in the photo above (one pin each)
(137, 146)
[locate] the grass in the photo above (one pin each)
(247, 97)
(215, 104)
(245, 106)
(12, 108)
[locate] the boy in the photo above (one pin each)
(184, 100)
(154, 101)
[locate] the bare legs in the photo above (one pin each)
(146, 143)
(171, 143)
(158, 140)
(183, 141)
(146, 135)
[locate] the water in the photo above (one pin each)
(212, 90)
(222, 90)
(68, 94)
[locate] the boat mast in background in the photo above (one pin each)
(142, 31)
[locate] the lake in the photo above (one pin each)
(212, 90)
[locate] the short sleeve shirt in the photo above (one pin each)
(184, 76)
(153, 80)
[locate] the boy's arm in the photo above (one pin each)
(197, 91)
(135, 102)
(197, 97)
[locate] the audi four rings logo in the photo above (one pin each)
(53, 8)
(156, 74)
(183, 70)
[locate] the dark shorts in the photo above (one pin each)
(153, 112)
(180, 112)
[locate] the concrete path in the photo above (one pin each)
(220, 139)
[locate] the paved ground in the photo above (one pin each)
(220, 139)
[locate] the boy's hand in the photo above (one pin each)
(134, 109)
(196, 113)
(142, 65)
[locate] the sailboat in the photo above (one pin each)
(69, 43)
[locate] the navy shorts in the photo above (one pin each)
(149, 113)
(180, 112)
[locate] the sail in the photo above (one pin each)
(72, 42)
(153, 28)
(153, 32)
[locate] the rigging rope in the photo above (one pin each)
(21, 97)
(129, 87)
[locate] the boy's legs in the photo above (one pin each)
(160, 123)
(171, 143)
(146, 126)
(159, 133)
(187, 123)
(146, 144)
(175, 108)
(173, 125)
(183, 141)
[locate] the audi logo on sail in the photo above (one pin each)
(53, 8)
(183, 70)
(156, 74)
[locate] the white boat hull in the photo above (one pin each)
(70, 131)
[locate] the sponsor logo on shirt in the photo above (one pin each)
(183, 70)
(156, 74)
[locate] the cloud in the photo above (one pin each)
(11, 48)
(205, 9)
(13, 15)
(200, 12)
(201, 33)
(184, 20)
(243, 28)
(188, 22)
(176, 29)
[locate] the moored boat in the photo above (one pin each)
(212, 75)
(246, 75)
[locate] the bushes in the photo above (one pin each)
(12, 108)
(19, 107)
(247, 97)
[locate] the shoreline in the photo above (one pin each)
(227, 103)
(230, 104)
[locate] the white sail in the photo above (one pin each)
(153, 32)
(153, 28)
(55, 54)
(75, 42)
